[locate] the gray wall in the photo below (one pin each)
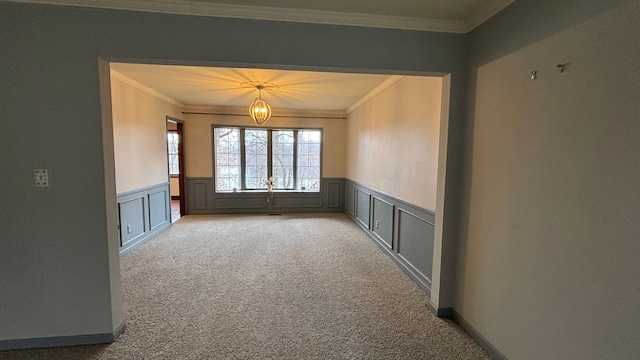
(59, 269)
(547, 265)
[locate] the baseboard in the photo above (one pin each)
(58, 341)
(119, 331)
(475, 334)
(440, 312)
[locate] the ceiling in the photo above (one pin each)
(458, 16)
(215, 86)
(218, 86)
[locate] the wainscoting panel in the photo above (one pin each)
(334, 195)
(202, 199)
(350, 199)
(363, 207)
(200, 195)
(158, 214)
(288, 201)
(415, 242)
(239, 203)
(402, 230)
(383, 221)
(143, 213)
(132, 220)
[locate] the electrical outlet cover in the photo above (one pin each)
(41, 177)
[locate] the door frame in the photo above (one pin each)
(181, 161)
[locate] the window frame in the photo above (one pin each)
(270, 131)
(177, 153)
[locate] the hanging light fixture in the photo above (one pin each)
(259, 110)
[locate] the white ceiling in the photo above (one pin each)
(458, 16)
(218, 86)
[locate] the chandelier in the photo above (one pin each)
(259, 110)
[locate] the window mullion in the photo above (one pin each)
(269, 153)
(243, 161)
(295, 160)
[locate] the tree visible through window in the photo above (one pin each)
(228, 166)
(282, 159)
(245, 158)
(308, 172)
(255, 159)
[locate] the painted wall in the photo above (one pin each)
(174, 185)
(59, 271)
(547, 266)
(199, 150)
(140, 136)
(392, 140)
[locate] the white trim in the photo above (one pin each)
(482, 14)
(145, 88)
(190, 7)
(385, 84)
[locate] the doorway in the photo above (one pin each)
(175, 156)
(440, 264)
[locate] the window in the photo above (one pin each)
(282, 158)
(245, 158)
(255, 158)
(227, 158)
(173, 139)
(308, 172)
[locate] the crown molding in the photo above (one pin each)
(385, 84)
(268, 13)
(483, 13)
(243, 111)
(145, 88)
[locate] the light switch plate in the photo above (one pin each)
(41, 177)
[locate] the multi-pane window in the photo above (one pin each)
(245, 158)
(173, 140)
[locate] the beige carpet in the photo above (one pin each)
(270, 287)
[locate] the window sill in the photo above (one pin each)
(265, 192)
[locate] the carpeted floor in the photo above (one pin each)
(270, 287)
